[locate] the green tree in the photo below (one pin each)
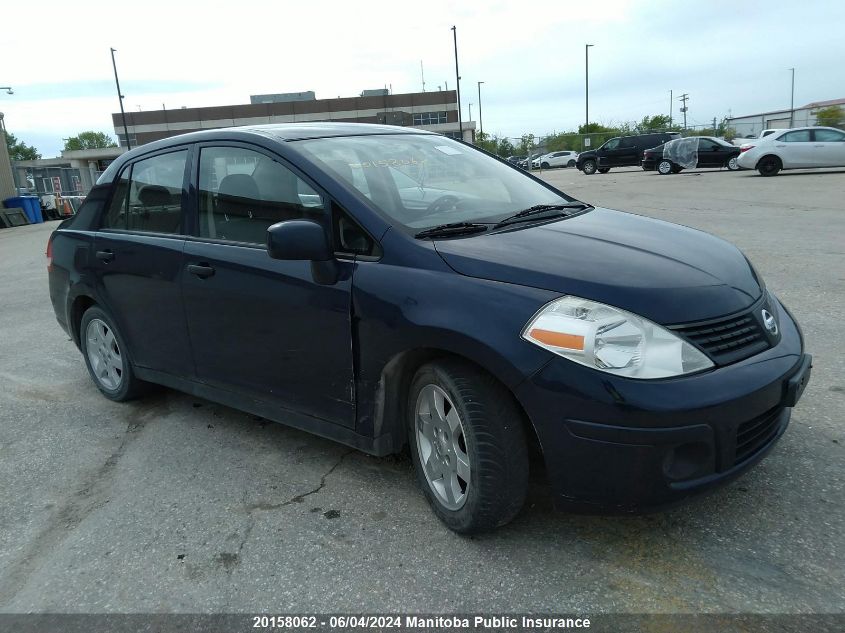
(89, 140)
(18, 150)
(526, 145)
(505, 148)
(656, 123)
(831, 116)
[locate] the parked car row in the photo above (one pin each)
(668, 153)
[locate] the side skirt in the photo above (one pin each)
(379, 446)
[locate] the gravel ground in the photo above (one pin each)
(177, 504)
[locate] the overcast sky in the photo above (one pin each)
(731, 57)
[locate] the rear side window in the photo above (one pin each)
(243, 192)
(798, 136)
(148, 195)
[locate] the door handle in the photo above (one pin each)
(105, 256)
(203, 271)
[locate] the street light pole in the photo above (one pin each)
(120, 99)
(458, 79)
(792, 101)
(480, 125)
(587, 88)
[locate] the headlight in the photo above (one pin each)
(612, 340)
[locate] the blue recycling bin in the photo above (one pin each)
(31, 206)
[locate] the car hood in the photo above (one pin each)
(665, 272)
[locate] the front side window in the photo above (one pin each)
(147, 195)
(829, 136)
(798, 136)
(612, 144)
(243, 192)
(423, 180)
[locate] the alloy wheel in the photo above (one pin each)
(733, 164)
(442, 447)
(104, 354)
(664, 167)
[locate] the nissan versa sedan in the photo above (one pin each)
(387, 288)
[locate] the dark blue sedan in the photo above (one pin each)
(386, 287)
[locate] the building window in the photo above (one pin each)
(429, 118)
(121, 140)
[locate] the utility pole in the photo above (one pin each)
(684, 98)
(470, 110)
(120, 98)
(480, 126)
(422, 76)
(792, 101)
(714, 126)
(458, 79)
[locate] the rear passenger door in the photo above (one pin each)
(263, 327)
(796, 149)
(138, 260)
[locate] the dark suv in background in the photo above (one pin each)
(621, 151)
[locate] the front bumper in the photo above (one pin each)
(617, 444)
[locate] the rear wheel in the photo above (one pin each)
(107, 358)
(769, 166)
(467, 445)
(571, 163)
(664, 167)
(733, 164)
(589, 167)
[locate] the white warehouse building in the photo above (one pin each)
(752, 124)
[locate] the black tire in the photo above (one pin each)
(665, 167)
(604, 170)
(769, 166)
(589, 167)
(130, 386)
(544, 165)
(571, 163)
(494, 442)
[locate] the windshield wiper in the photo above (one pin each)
(521, 216)
(453, 228)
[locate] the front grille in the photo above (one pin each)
(756, 434)
(726, 340)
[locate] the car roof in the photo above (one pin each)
(282, 132)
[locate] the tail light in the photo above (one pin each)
(49, 253)
(745, 148)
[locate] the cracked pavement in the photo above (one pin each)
(175, 504)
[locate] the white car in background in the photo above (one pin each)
(798, 148)
(556, 159)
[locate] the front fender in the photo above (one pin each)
(402, 313)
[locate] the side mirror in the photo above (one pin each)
(298, 240)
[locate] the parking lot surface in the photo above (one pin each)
(173, 503)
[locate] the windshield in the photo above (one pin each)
(420, 181)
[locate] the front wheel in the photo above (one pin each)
(467, 445)
(107, 358)
(664, 167)
(733, 164)
(589, 167)
(544, 165)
